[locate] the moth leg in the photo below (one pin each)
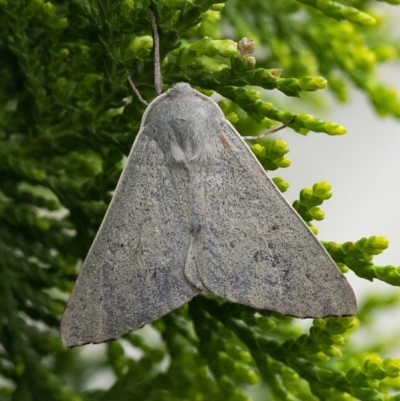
(272, 131)
(136, 91)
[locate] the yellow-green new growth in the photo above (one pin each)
(282, 184)
(271, 154)
(310, 199)
(338, 11)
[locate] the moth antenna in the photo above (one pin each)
(157, 68)
(251, 138)
(136, 91)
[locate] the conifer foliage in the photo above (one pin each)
(67, 119)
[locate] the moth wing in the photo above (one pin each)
(251, 247)
(133, 273)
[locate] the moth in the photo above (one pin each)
(194, 211)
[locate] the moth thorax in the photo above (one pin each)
(191, 142)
